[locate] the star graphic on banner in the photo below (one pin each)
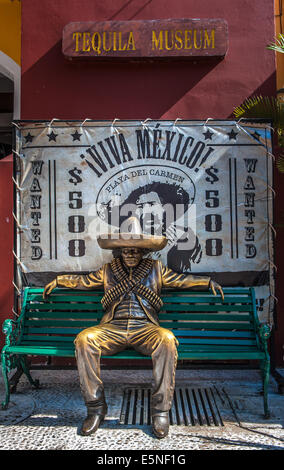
(29, 137)
(232, 135)
(52, 136)
(208, 134)
(76, 136)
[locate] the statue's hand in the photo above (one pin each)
(215, 286)
(49, 288)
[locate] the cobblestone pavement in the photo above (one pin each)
(49, 418)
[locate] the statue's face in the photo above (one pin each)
(131, 256)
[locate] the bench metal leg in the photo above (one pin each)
(25, 367)
(5, 370)
(266, 373)
(14, 380)
(265, 369)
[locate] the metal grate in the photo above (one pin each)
(191, 407)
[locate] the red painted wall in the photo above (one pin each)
(6, 241)
(52, 87)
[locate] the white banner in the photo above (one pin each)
(212, 180)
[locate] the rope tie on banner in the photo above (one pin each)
(17, 288)
(113, 128)
(272, 228)
(275, 298)
(87, 119)
(20, 155)
(272, 264)
(272, 190)
(16, 184)
(208, 119)
(143, 123)
(19, 261)
(54, 119)
(175, 123)
(15, 313)
(20, 227)
(271, 155)
(15, 124)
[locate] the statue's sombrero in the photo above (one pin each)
(134, 238)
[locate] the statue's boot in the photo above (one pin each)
(160, 424)
(95, 416)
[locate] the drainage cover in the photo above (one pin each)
(191, 407)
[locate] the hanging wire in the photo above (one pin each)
(54, 119)
(16, 184)
(87, 119)
(272, 264)
(175, 123)
(274, 297)
(272, 190)
(15, 124)
(16, 287)
(18, 261)
(20, 227)
(272, 228)
(208, 119)
(113, 128)
(20, 155)
(15, 313)
(143, 123)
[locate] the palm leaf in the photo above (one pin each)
(278, 46)
(266, 107)
(280, 163)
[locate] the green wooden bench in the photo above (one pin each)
(206, 327)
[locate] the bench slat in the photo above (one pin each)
(187, 333)
(48, 323)
(206, 326)
(201, 355)
(163, 316)
(171, 307)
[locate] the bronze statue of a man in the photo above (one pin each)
(132, 286)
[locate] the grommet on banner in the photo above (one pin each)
(144, 122)
(177, 119)
(19, 261)
(16, 184)
(87, 119)
(113, 128)
(16, 287)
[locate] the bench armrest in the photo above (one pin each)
(10, 329)
(264, 332)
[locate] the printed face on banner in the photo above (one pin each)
(204, 186)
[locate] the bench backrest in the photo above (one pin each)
(193, 316)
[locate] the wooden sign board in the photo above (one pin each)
(173, 38)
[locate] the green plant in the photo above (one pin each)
(267, 107)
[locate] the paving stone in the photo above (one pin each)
(49, 418)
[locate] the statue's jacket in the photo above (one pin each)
(158, 277)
